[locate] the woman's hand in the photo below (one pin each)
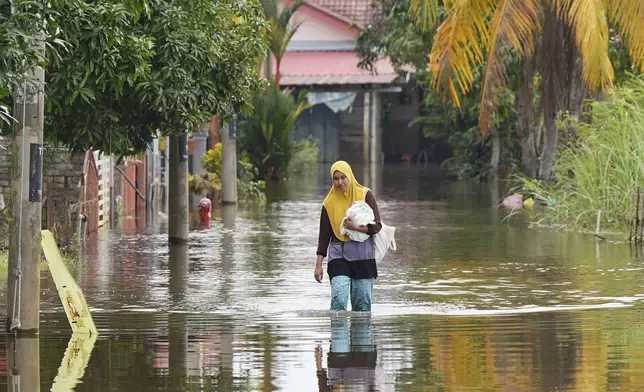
(318, 274)
(351, 225)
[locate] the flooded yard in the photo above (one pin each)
(470, 302)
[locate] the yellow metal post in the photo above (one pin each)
(70, 293)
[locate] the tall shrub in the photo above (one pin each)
(265, 136)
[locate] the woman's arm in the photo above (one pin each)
(370, 199)
(324, 238)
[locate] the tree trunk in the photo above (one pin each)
(268, 65)
(577, 95)
(563, 89)
(277, 73)
(551, 137)
(552, 69)
(496, 151)
(178, 214)
(525, 114)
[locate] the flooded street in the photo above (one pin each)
(470, 301)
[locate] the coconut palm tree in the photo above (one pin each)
(280, 33)
(572, 52)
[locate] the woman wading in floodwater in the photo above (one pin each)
(351, 265)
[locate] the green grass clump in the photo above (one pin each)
(4, 260)
(602, 168)
(70, 259)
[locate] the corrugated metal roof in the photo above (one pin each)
(327, 68)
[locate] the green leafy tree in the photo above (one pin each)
(394, 33)
(204, 63)
(573, 54)
(20, 23)
(397, 34)
(104, 56)
(122, 70)
(466, 58)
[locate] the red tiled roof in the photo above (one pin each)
(359, 12)
(331, 68)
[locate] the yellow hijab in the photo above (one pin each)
(337, 202)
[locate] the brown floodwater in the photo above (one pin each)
(470, 301)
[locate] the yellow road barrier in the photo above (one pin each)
(70, 293)
(72, 368)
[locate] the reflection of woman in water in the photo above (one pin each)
(352, 358)
(351, 265)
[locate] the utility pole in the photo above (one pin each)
(178, 213)
(229, 163)
(23, 284)
(366, 129)
(23, 363)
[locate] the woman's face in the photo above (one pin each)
(340, 181)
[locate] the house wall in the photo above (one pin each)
(351, 136)
(323, 126)
(340, 135)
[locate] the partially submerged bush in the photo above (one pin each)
(265, 135)
(212, 160)
(204, 183)
(305, 156)
(602, 168)
(249, 189)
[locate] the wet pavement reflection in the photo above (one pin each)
(470, 301)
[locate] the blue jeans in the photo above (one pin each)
(361, 292)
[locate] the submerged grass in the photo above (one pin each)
(71, 260)
(602, 169)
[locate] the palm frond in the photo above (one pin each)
(425, 12)
(271, 9)
(588, 18)
(280, 38)
(628, 15)
(459, 46)
(288, 11)
(515, 23)
(281, 28)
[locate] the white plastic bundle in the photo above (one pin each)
(361, 214)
